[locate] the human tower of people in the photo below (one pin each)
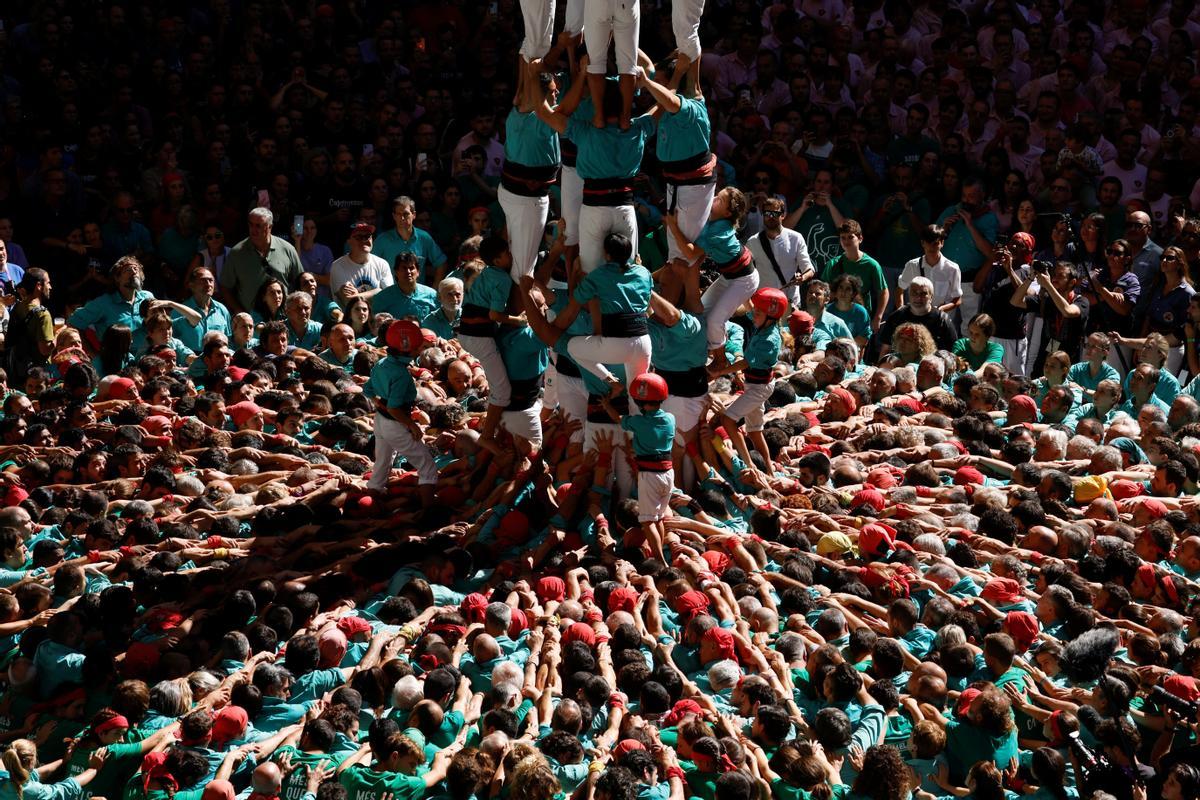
(691, 548)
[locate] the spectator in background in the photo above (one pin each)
(971, 230)
(254, 259)
(942, 272)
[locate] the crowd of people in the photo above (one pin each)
(494, 400)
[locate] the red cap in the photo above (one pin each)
(228, 724)
(579, 632)
(242, 412)
(1023, 627)
(157, 425)
(723, 641)
(801, 323)
(876, 539)
(237, 373)
(1002, 590)
(141, 659)
(472, 607)
(622, 598)
(966, 475)
(354, 626)
(717, 561)
(1183, 687)
(1156, 507)
(15, 495)
(964, 701)
(362, 227)
(881, 478)
(692, 603)
(869, 497)
(513, 529)
(1123, 490)
(122, 389)
(846, 396)
(551, 588)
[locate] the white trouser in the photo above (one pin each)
(621, 471)
(654, 495)
(538, 16)
(1175, 361)
(574, 22)
(393, 439)
(484, 348)
(593, 352)
(970, 305)
(686, 411)
(526, 424)
(571, 190)
(572, 400)
(685, 23)
(526, 219)
(596, 222)
(749, 405)
(1015, 353)
(619, 20)
(721, 300)
(692, 206)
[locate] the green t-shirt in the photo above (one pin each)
(364, 783)
(868, 271)
(994, 352)
(296, 782)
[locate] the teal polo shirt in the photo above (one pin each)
(309, 340)
(108, 310)
(429, 256)
(401, 305)
(216, 318)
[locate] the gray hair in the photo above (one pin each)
(449, 283)
(724, 674)
(949, 635)
(202, 682)
(1058, 439)
(498, 615)
(905, 376)
(923, 282)
(507, 672)
(171, 698)
(1080, 446)
(748, 604)
(264, 214)
(407, 692)
(934, 360)
(506, 694)
(296, 297)
(1107, 457)
(929, 543)
(189, 486)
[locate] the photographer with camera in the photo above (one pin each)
(996, 284)
(1060, 314)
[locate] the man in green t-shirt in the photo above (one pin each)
(395, 771)
(854, 261)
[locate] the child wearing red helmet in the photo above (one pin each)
(652, 433)
(394, 392)
(762, 351)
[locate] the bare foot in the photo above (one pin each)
(616, 388)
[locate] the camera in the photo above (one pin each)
(1165, 699)
(1041, 267)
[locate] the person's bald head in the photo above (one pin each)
(485, 648)
(764, 620)
(570, 610)
(1102, 508)
(1137, 227)
(1040, 539)
(495, 744)
(618, 618)
(267, 779)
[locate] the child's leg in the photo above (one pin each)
(685, 24)
(626, 27)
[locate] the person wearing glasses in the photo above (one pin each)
(214, 316)
(1113, 292)
(359, 272)
(780, 254)
(256, 258)
(213, 252)
(1146, 252)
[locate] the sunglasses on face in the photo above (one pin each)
(1115, 251)
(772, 213)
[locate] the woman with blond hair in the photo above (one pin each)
(20, 779)
(910, 343)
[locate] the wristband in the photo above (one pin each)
(617, 699)
(596, 766)
(674, 771)
(221, 552)
(408, 632)
(93, 556)
(692, 449)
(924, 491)
(125, 551)
(214, 541)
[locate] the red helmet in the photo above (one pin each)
(771, 302)
(404, 335)
(649, 388)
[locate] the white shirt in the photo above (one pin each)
(374, 274)
(946, 277)
(1133, 181)
(791, 253)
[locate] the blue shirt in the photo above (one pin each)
(960, 245)
(653, 432)
(719, 241)
(762, 351)
(108, 310)
(421, 244)
(217, 318)
(436, 321)
(525, 356)
(679, 347)
(311, 338)
(685, 133)
(609, 152)
(394, 301)
(620, 290)
(857, 319)
(529, 141)
(392, 383)
(490, 290)
(279, 713)
(57, 664)
(1081, 374)
(828, 328)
